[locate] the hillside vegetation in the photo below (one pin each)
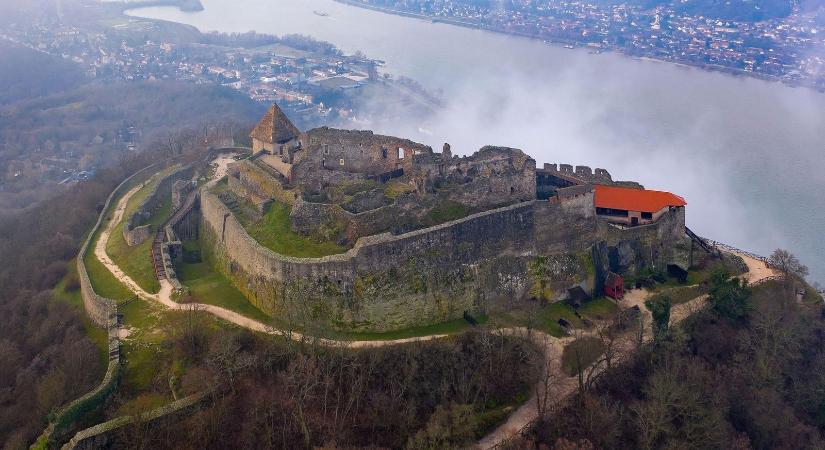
(91, 126)
(47, 358)
(426, 395)
(744, 373)
(26, 73)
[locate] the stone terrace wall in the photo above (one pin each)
(309, 218)
(249, 181)
(101, 435)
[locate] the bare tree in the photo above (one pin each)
(609, 345)
(228, 361)
(787, 263)
(302, 379)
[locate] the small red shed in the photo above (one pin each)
(614, 286)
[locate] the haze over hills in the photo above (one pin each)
(176, 276)
(55, 123)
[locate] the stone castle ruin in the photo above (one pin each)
(426, 236)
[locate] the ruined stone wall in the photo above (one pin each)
(385, 282)
(361, 152)
(246, 179)
(561, 175)
(328, 221)
(134, 230)
(135, 235)
(491, 177)
(102, 435)
(179, 190)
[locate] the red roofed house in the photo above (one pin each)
(633, 207)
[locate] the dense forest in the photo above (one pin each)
(745, 373)
(26, 74)
(272, 393)
(47, 357)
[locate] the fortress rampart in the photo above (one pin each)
(479, 263)
(250, 181)
(134, 231)
(103, 313)
(552, 177)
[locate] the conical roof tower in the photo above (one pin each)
(275, 127)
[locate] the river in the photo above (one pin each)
(748, 155)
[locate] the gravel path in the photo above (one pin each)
(164, 296)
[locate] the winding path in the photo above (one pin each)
(164, 296)
(552, 347)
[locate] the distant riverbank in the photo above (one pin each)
(183, 5)
(566, 42)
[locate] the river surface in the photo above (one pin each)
(748, 155)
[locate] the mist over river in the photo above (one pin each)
(748, 155)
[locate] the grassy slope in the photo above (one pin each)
(445, 212)
(103, 282)
(208, 286)
(273, 231)
(451, 327)
(600, 308)
(681, 294)
(548, 316)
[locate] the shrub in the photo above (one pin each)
(72, 283)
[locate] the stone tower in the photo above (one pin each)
(275, 129)
(446, 153)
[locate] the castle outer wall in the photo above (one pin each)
(483, 263)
